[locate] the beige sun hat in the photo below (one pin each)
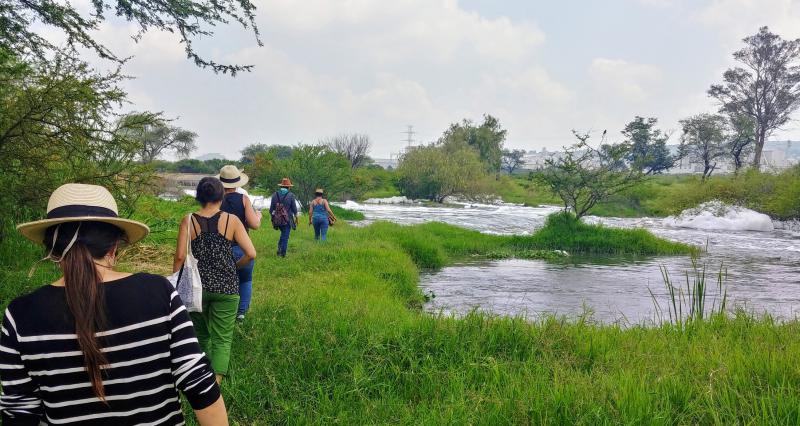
(232, 177)
(76, 202)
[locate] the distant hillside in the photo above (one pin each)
(211, 156)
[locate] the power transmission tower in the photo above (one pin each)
(409, 135)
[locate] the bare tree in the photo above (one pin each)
(353, 146)
(512, 160)
(767, 88)
(703, 140)
(157, 137)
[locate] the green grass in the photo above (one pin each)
(336, 336)
(346, 214)
(775, 194)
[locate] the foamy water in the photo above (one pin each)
(762, 260)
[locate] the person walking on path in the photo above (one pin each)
(283, 210)
(239, 205)
(320, 215)
(212, 234)
(99, 346)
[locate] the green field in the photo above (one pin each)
(337, 335)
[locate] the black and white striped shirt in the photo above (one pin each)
(149, 342)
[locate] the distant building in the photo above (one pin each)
(211, 156)
(175, 183)
(386, 163)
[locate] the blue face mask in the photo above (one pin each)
(284, 190)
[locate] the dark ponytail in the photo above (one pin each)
(84, 286)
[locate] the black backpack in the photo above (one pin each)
(280, 216)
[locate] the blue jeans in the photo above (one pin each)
(283, 242)
(245, 281)
(320, 227)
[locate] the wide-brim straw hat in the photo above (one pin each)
(319, 191)
(75, 202)
(232, 177)
(285, 183)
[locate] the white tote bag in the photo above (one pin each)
(187, 281)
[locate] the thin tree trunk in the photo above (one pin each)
(760, 139)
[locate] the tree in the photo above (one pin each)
(703, 140)
(155, 137)
(765, 88)
(648, 146)
(21, 19)
(249, 153)
(57, 125)
(487, 139)
(512, 160)
(353, 146)
(316, 166)
(583, 176)
(741, 139)
(433, 172)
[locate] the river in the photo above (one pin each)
(763, 268)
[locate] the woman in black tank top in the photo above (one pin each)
(239, 205)
(212, 234)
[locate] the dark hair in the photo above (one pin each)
(209, 190)
(319, 194)
(83, 285)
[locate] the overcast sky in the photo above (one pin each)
(374, 66)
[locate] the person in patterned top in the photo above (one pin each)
(212, 232)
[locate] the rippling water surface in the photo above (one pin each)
(763, 268)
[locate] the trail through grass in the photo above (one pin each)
(336, 336)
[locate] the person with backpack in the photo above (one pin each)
(239, 205)
(283, 210)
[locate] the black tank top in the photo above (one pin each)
(214, 255)
(233, 203)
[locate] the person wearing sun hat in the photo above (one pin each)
(286, 198)
(108, 329)
(238, 204)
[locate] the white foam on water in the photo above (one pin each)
(390, 200)
(715, 215)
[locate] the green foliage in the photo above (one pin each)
(512, 160)
(435, 172)
(250, 152)
(346, 214)
(564, 231)
(309, 167)
(648, 146)
(22, 23)
(487, 139)
(156, 137)
(374, 182)
(190, 165)
(582, 176)
(765, 88)
(703, 140)
(57, 125)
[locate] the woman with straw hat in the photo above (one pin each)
(100, 346)
(283, 218)
(238, 204)
(320, 215)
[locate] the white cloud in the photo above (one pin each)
(739, 18)
(632, 82)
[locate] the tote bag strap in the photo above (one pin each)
(188, 247)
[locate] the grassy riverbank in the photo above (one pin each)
(336, 336)
(775, 194)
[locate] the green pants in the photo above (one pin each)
(214, 328)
